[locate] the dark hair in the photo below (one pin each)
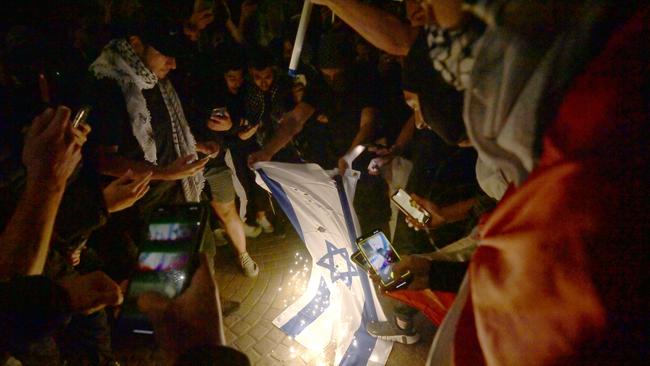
(231, 58)
(261, 58)
(335, 50)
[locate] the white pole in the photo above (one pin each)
(300, 37)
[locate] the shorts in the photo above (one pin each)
(220, 181)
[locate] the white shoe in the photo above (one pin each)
(266, 225)
(248, 265)
(252, 231)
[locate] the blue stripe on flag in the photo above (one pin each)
(359, 353)
(281, 196)
(311, 312)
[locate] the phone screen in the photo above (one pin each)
(405, 204)
(166, 261)
(81, 116)
(379, 253)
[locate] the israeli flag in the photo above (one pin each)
(340, 298)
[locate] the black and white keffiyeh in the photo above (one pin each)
(451, 51)
(118, 61)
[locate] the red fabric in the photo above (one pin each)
(434, 305)
(559, 275)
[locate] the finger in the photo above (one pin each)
(141, 182)
(40, 122)
(124, 285)
(199, 164)
(142, 193)
(187, 159)
(124, 178)
(84, 128)
(220, 120)
(59, 123)
(79, 137)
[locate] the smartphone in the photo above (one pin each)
(357, 257)
(406, 204)
(167, 260)
(81, 116)
(380, 255)
(219, 112)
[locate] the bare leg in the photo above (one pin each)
(232, 223)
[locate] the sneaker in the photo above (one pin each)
(389, 331)
(220, 237)
(228, 307)
(266, 225)
(252, 231)
(248, 265)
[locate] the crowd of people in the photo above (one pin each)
(524, 121)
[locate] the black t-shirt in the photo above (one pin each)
(343, 108)
(111, 122)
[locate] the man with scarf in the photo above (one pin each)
(139, 119)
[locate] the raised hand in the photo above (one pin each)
(123, 192)
(182, 168)
(53, 147)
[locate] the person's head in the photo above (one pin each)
(157, 41)
(436, 104)
(234, 80)
(261, 68)
(415, 13)
(335, 56)
(232, 66)
(157, 62)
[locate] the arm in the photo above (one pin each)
(448, 13)
(386, 156)
(366, 127)
(365, 133)
(51, 154)
(26, 240)
(292, 124)
(405, 137)
(116, 166)
(458, 211)
(381, 28)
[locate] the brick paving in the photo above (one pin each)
(282, 278)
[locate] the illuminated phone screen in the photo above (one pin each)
(172, 231)
(166, 261)
(380, 254)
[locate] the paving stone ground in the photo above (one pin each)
(284, 270)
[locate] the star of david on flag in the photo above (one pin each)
(330, 262)
(340, 298)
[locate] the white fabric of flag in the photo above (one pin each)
(340, 298)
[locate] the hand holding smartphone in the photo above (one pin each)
(167, 260)
(409, 207)
(81, 116)
(380, 256)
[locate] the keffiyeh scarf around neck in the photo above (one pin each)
(118, 61)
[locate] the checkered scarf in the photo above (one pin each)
(118, 61)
